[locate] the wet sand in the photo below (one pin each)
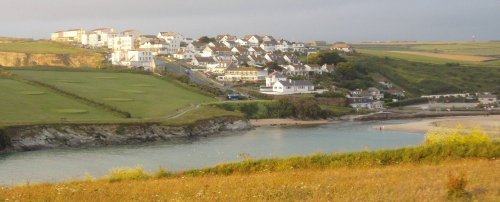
(489, 124)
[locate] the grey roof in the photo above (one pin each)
(359, 100)
(296, 83)
(488, 96)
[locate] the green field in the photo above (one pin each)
(26, 103)
(483, 49)
(145, 97)
(40, 46)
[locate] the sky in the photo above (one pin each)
(297, 20)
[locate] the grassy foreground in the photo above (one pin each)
(456, 165)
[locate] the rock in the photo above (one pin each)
(27, 138)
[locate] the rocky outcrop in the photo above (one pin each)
(26, 138)
(13, 59)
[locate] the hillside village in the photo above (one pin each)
(231, 59)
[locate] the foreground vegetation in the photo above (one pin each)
(450, 165)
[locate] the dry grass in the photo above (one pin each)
(393, 183)
(468, 58)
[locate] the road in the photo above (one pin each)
(194, 76)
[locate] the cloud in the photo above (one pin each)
(331, 20)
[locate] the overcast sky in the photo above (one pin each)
(298, 20)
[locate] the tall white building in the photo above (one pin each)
(143, 59)
(173, 40)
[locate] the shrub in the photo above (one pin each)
(119, 174)
(162, 173)
(456, 186)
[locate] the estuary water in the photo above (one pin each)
(263, 142)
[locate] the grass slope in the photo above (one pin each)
(424, 78)
(40, 46)
(143, 96)
(21, 103)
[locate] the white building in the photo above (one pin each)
(299, 47)
(72, 35)
(365, 103)
(143, 59)
(274, 77)
(295, 70)
(121, 43)
(98, 37)
(172, 38)
(268, 46)
(487, 99)
(243, 74)
(341, 46)
(221, 51)
(293, 87)
(185, 54)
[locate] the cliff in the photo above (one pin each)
(36, 137)
(15, 59)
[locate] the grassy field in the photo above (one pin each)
(38, 46)
(143, 96)
(465, 53)
(449, 166)
(22, 102)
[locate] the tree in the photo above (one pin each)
(345, 70)
(273, 66)
(206, 39)
(325, 57)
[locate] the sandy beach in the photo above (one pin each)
(287, 122)
(489, 124)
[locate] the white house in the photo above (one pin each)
(241, 42)
(365, 103)
(315, 68)
(299, 47)
(206, 62)
(98, 37)
(295, 70)
(268, 46)
(185, 54)
(487, 99)
(253, 40)
(293, 87)
(225, 38)
(172, 38)
(221, 51)
(121, 43)
(274, 77)
(341, 46)
(284, 45)
(239, 51)
(143, 59)
(256, 51)
(243, 74)
(291, 59)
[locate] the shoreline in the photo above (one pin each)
(288, 122)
